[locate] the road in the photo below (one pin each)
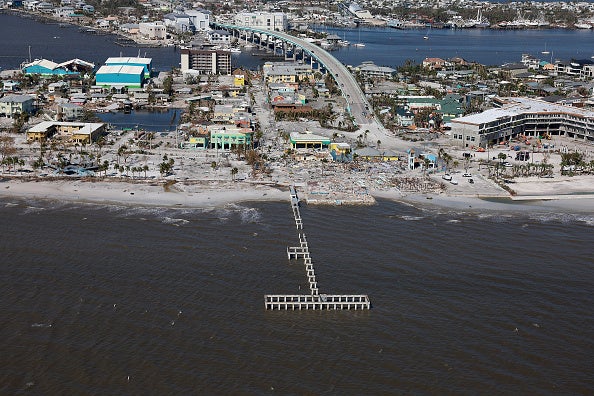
(359, 107)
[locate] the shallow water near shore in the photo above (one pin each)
(115, 299)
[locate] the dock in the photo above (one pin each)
(295, 207)
(323, 302)
(315, 300)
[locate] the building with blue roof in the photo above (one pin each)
(146, 63)
(46, 67)
(120, 76)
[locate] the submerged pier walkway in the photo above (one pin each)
(315, 300)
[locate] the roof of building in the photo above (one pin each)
(368, 152)
(219, 32)
(48, 64)
(372, 67)
(77, 62)
(70, 106)
(120, 69)
(16, 98)
(281, 71)
(121, 60)
(297, 137)
(85, 127)
(516, 106)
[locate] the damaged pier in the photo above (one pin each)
(314, 301)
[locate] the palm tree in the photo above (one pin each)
(233, 173)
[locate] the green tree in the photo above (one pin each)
(168, 84)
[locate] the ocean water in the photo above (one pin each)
(100, 299)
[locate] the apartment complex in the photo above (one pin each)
(206, 61)
(522, 116)
(275, 21)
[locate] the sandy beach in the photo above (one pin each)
(191, 195)
(560, 195)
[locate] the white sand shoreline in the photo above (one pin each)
(180, 195)
(209, 194)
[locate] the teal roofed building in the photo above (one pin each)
(43, 67)
(118, 76)
(46, 67)
(451, 107)
(146, 63)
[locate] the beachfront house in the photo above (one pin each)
(421, 160)
(375, 155)
(75, 132)
(13, 105)
(308, 141)
(227, 137)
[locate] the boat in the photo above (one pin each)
(480, 21)
(359, 44)
(426, 37)
(545, 52)
(395, 23)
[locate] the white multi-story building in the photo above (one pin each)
(522, 116)
(275, 21)
(152, 30)
(219, 37)
(200, 19)
(206, 61)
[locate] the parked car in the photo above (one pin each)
(467, 175)
(471, 181)
(454, 181)
(447, 176)
(507, 164)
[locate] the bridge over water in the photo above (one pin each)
(292, 46)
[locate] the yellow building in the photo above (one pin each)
(286, 73)
(239, 80)
(76, 132)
